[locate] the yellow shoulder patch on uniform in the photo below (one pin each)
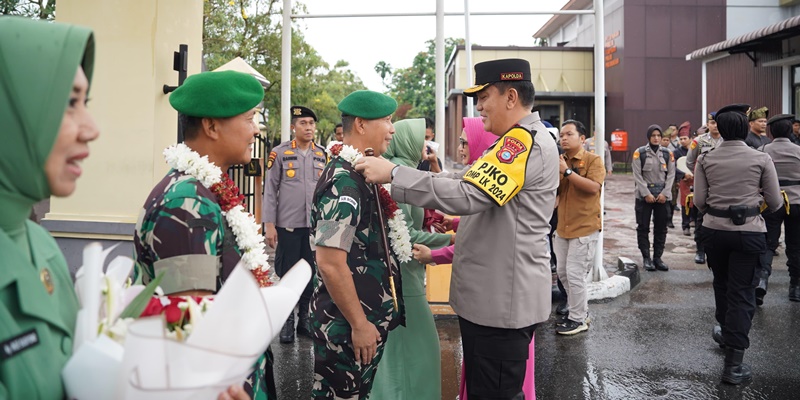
(694, 144)
(271, 159)
(500, 173)
(636, 155)
(671, 157)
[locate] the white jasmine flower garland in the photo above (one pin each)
(399, 237)
(243, 225)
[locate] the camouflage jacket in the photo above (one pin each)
(344, 216)
(182, 231)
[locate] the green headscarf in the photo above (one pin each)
(407, 141)
(38, 61)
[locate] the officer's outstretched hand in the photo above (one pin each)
(375, 169)
(234, 392)
(365, 342)
(422, 253)
(271, 234)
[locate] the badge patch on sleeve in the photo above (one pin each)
(694, 144)
(500, 174)
(349, 200)
(271, 159)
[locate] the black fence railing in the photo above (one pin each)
(250, 177)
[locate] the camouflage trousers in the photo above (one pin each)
(338, 376)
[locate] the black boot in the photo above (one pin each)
(287, 332)
(303, 327)
(761, 290)
(735, 371)
(716, 334)
(660, 265)
(648, 264)
(700, 257)
(794, 292)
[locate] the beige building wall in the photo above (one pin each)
(134, 45)
(135, 41)
(553, 71)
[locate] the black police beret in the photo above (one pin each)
(780, 117)
(505, 70)
(301, 112)
(740, 108)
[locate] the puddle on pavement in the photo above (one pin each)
(654, 385)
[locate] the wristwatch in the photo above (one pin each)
(394, 171)
(567, 173)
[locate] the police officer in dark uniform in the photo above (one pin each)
(654, 173)
(293, 169)
(786, 158)
(727, 183)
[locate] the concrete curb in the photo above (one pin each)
(625, 279)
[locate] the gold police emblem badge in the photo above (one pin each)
(290, 173)
(47, 280)
(297, 111)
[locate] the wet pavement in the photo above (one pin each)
(651, 343)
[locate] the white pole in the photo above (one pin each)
(704, 90)
(468, 47)
(286, 70)
(599, 272)
(440, 87)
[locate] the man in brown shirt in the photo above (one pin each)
(579, 222)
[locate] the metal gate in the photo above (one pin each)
(250, 177)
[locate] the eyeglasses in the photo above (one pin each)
(463, 142)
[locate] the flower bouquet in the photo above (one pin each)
(131, 345)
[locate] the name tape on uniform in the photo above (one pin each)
(18, 344)
(500, 173)
(349, 200)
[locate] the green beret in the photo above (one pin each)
(762, 112)
(220, 94)
(367, 104)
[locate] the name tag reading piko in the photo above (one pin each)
(500, 173)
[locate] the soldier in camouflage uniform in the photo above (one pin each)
(352, 308)
(181, 230)
(701, 145)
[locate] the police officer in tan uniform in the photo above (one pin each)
(727, 183)
(654, 173)
(786, 157)
(589, 146)
(701, 145)
(293, 169)
(501, 280)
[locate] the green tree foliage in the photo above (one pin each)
(251, 29)
(37, 9)
(414, 87)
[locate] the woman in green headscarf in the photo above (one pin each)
(45, 131)
(45, 128)
(411, 364)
